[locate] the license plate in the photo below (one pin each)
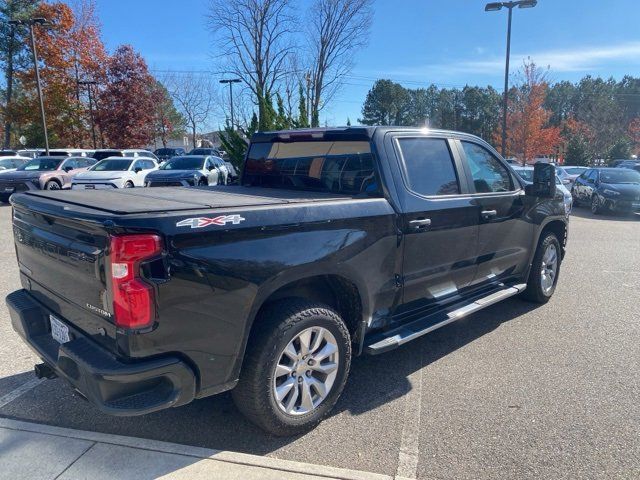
(59, 331)
(8, 189)
(90, 187)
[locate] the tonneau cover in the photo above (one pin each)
(163, 199)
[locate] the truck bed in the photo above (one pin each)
(150, 200)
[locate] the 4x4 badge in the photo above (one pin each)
(199, 222)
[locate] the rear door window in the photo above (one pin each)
(429, 166)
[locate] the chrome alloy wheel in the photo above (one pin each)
(306, 371)
(549, 268)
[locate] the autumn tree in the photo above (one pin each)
(69, 50)
(127, 103)
(634, 134)
(528, 131)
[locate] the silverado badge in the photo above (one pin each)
(200, 222)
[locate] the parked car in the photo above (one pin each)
(8, 153)
(31, 152)
(205, 151)
(67, 152)
(164, 154)
(128, 152)
(115, 172)
(233, 173)
(633, 165)
(570, 173)
(187, 171)
(42, 173)
(526, 173)
(269, 288)
(8, 164)
(619, 161)
(608, 189)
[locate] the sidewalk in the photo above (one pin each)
(35, 451)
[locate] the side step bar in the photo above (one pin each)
(405, 333)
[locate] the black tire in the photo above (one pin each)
(277, 326)
(202, 183)
(128, 184)
(4, 198)
(534, 291)
(596, 207)
(52, 185)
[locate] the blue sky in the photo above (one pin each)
(414, 42)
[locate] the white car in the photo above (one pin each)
(9, 164)
(115, 172)
(526, 173)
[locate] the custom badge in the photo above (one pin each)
(200, 222)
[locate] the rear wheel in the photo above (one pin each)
(545, 269)
(202, 182)
(52, 185)
(296, 366)
(128, 184)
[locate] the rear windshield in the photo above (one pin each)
(42, 164)
(345, 167)
(183, 163)
(165, 151)
(112, 166)
(574, 171)
(622, 175)
(202, 151)
(102, 155)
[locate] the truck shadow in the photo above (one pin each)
(215, 422)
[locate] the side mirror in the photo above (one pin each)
(68, 169)
(138, 169)
(3, 168)
(544, 181)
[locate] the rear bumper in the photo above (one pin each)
(115, 387)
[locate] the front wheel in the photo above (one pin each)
(297, 363)
(596, 206)
(545, 269)
(52, 185)
(129, 184)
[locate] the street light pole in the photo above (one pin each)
(492, 7)
(231, 81)
(89, 83)
(30, 23)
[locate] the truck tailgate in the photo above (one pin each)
(62, 264)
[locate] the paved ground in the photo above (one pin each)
(513, 391)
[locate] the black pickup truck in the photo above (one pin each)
(336, 242)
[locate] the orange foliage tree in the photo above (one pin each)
(634, 134)
(69, 51)
(528, 131)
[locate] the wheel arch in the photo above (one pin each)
(335, 290)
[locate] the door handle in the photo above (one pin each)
(420, 223)
(488, 214)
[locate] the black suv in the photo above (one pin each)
(165, 154)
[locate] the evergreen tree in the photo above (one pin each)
(303, 115)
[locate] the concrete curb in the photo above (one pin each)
(195, 452)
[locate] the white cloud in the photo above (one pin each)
(584, 59)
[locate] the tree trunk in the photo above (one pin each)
(193, 132)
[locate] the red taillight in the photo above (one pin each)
(132, 297)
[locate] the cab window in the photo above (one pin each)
(488, 173)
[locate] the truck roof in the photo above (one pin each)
(345, 133)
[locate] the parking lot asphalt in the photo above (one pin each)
(517, 390)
